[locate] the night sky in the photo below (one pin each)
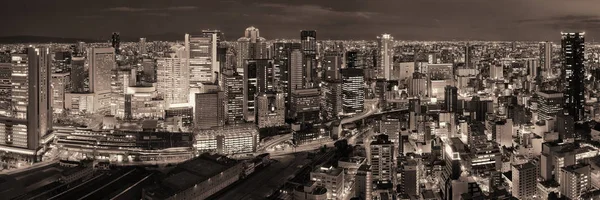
(333, 19)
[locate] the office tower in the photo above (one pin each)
(79, 75)
(410, 177)
(546, 55)
(385, 57)
(381, 156)
(31, 117)
(202, 58)
(210, 110)
(351, 60)
(308, 43)
(234, 93)
(533, 68)
(142, 44)
(270, 109)
(251, 46)
(468, 56)
(353, 93)
(451, 99)
(417, 85)
(5, 89)
(332, 90)
(524, 180)
(265, 74)
(101, 65)
(251, 87)
(332, 63)
(497, 72)
(116, 42)
(173, 83)
(149, 70)
(549, 104)
(304, 106)
(573, 48)
(575, 181)
(362, 185)
(59, 85)
(296, 78)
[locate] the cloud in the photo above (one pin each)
(131, 9)
(127, 9)
(315, 13)
(157, 14)
(90, 16)
(182, 8)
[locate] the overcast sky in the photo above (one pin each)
(333, 19)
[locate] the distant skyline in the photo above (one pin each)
(524, 20)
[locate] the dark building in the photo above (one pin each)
(210, 110)
(451, 99)
(234, 94)
(332, 104)
(573, 47)
(305, 105)
(352, 59)
(116, 42)
(332, 63)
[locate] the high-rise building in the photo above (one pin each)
(308, 43)
(251, 87)
(265, 74)
(116, 42)
(282, 53)
(295, 70)
(59, 85)
(332, 63)
(304, 106)
(576, 181)
(385, 58)
(410, 177)
(524, 180)
(549, 104)
(202, 58)
(270, 109)
(173, 78)
(5, 89)
(101, 65)
(468, 50)
(381, 157)
(351, 60)
(353, 93)
(251, 46)
(234, 93)
(451, 98)
(332, 90)
(210, 110)
(79, 75)
(142, 44)
(32, 118)
(546, 55)
(573, 48)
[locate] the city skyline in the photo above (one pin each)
(405, 20)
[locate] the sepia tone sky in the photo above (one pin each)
(333, 19)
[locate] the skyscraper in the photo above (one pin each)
(270, 110)
(332, 90)
(79, 76)
(210, 110)
(295, 70)
(353, 93)
(116, 42)
(265, 74)
(172, 77)
(251, 46)
(251, 87)
(573, 48)
(468, 56)
(202, 58)
(142, 44)
(32, 117)
(524, 180)
(308, 43)
(101, 65)
(385, 58)
(381, 156)
(546, 55)
(5, 89)
(234, 93)
(332, 63)
(451, 98)
(352, 59)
